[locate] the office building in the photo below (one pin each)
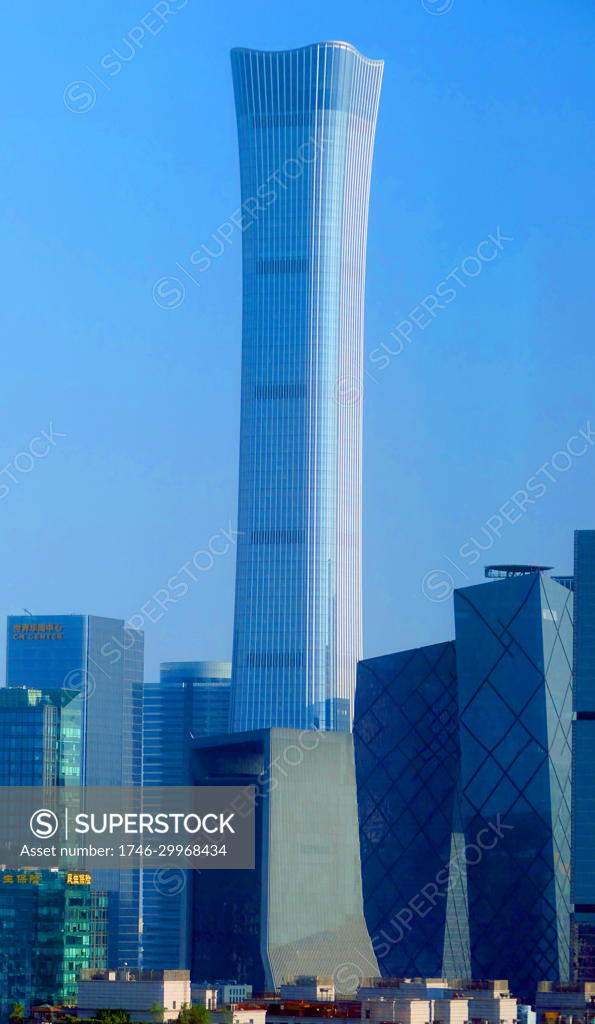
(583, 810)
(138, 992)
(514, 668)
(407, 767)
(300, 911)
(40, 737)
(52, 926)
(100, 661)
(306, 124)
(190, 700)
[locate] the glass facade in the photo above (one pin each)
(52, 926)
(514, 666)
(40, 737)
(306, 123)
(407, 767)
(100, 662)
(190, 700)
(583, 818)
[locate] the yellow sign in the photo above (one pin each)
(37, 631)
(21, 879)
(76, 879)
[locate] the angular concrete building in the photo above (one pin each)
(300, 911)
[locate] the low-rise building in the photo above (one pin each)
(215, 994)
(444, 1000)
(247, 1015)
(526, 1014)
(311, 988)
(397, 1011)
(301, 1012)
(139, 992)
(572, 1002)
(205, 995)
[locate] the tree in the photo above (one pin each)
(18, 1011)
(113, 1017)
(194, 1015)
(158, 1012)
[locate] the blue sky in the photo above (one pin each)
(485, 129)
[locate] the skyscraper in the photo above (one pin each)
(300, 911)
(407, 759)
(101, 661)
(53, 925)
(306, 124)
(514, 667)
(583, 767)
(191, 700)
(40, 737)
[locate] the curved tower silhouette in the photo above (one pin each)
(306, 124)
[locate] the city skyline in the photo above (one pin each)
(189, 446)
(459, 157)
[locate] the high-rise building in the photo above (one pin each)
(53, 925)
(300, 911)
(306, 124)
(583, 768)
(514, 667)
(407, 759)
(40, 737)
(190, 700)
(100, 661)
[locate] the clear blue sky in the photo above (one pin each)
(486, 121)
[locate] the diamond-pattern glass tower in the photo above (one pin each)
(407, 764)
(514, 665)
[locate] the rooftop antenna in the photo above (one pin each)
(27, 611)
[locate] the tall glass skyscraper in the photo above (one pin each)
(514, 667)
(191, 700)
(306, 124)
(101, 662)
(583, 790)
